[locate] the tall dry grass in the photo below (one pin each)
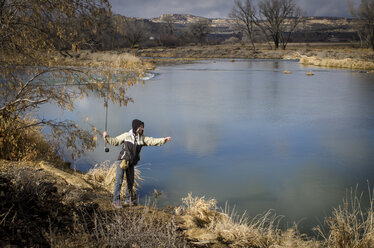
(237, 230)
(104, 174)
(350, 225)
(135, 229)
(103, 59)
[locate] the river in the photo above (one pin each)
(246, 133)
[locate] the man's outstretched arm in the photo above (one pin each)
(149, 141)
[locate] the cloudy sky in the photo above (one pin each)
(217, 8)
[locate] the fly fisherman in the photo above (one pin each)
(132, 141)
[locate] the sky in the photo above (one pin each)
(217, 8)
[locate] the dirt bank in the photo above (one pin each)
(43, 206)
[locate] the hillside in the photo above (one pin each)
(316, 29)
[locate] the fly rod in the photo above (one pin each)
(106, 149)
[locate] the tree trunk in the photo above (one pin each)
(253, 45)
(252, 42)
(276, 41)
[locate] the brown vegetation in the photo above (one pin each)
(349, 63)
(39, 207)
(203, 221)
(338, 55)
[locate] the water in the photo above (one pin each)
(247, 134)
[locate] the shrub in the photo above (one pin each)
(18, 143)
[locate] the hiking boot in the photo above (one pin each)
(116, 205)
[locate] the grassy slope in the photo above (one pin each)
(41, 205)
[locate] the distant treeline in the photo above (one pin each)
(123, 32)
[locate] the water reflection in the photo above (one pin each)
(250, 135)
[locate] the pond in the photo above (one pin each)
(245, 133)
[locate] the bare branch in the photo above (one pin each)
(281, 16)
(244, 15)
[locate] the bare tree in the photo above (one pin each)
(365, 16)
(168, 35)
(281, 18)
(169, 21)
(244, 15)
(199, 30)
(136, 31)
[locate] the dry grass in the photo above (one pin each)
(28, 200)
(337, 55)
(350, 225)
(140, 228)
(349, 63)
(28, 192)
(104, 174)
(34, 213)
(202, 217)
(103, 59)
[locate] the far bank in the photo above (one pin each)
(335, 55)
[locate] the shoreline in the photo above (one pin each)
(330, 55)
(74, 210)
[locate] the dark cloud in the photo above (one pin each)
(336, 8)
(155, 8)
(216, 8)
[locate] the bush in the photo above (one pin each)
(18, 143)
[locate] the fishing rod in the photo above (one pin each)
(106, 149)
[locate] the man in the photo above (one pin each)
(132, 141)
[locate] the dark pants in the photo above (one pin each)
(130, 179)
